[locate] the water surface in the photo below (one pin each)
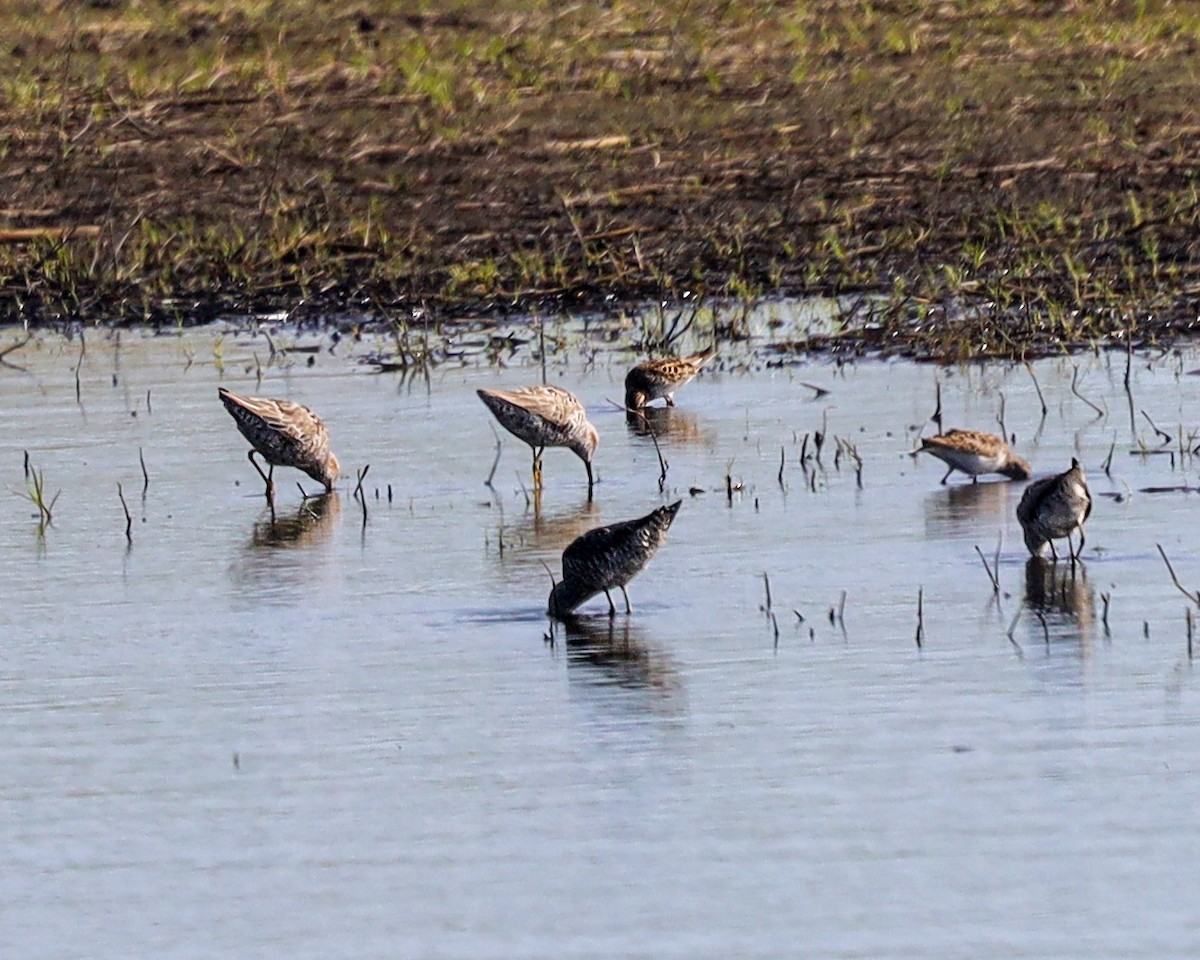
(315, 739)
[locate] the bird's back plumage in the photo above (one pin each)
(287, 434)
(609, 557)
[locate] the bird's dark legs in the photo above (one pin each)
(628, 608)
(1053, 552)
(612, 607)
(537, 468)
(267, 477)
(947, 476)
(670, 400)
(591, 480)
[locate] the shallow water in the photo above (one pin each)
(315, 739)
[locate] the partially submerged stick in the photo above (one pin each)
(128, 518)
(1194, 597)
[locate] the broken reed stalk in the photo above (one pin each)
(15, 346)
(988, 570)
(1000, 417)
(128, 518)
(1038, 387)
(149, 408)
(782, 462)
(1107, 465)
(1194, 597)
(1191, 629)
(145, 473)
(662, 464)
(920, 616)
(937, 413)
(775, 624)
(26, 452)
(78, 365)
(1153, 426)
(767, 588)
(491, 473)
(359, 495)
(1075, 390)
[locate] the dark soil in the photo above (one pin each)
(989, 180)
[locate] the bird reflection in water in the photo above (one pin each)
(662, 423)
(534, 535)
(1061, 597)
(605, 652)
(311, 523)
(959, 508)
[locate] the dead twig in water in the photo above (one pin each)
(920, 616)
(937, 413)
(12, 347)
(360, 496)
(82, 352)
(1038, 387)
(1153, 426)
(1194, 597)
(988, 570)
(145, 474)
(767, 587)
(128, 518)
(1107, 465)
(491, 473)
(1075, 390)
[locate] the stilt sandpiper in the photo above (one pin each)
(1055, 507)
(285, 434)
(661, 378)
(973, 452)
(545, 416)
(609, 557)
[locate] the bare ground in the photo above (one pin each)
(993, 180)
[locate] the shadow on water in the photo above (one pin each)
(667, 423)
(961, 508)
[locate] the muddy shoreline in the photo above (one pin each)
(1001, 181)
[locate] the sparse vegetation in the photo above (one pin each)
(988, 178)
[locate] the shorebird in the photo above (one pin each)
(284, 434)
(661, 378)
(545, 416)
(973, 452)
(1055, 507)
(609, 557)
